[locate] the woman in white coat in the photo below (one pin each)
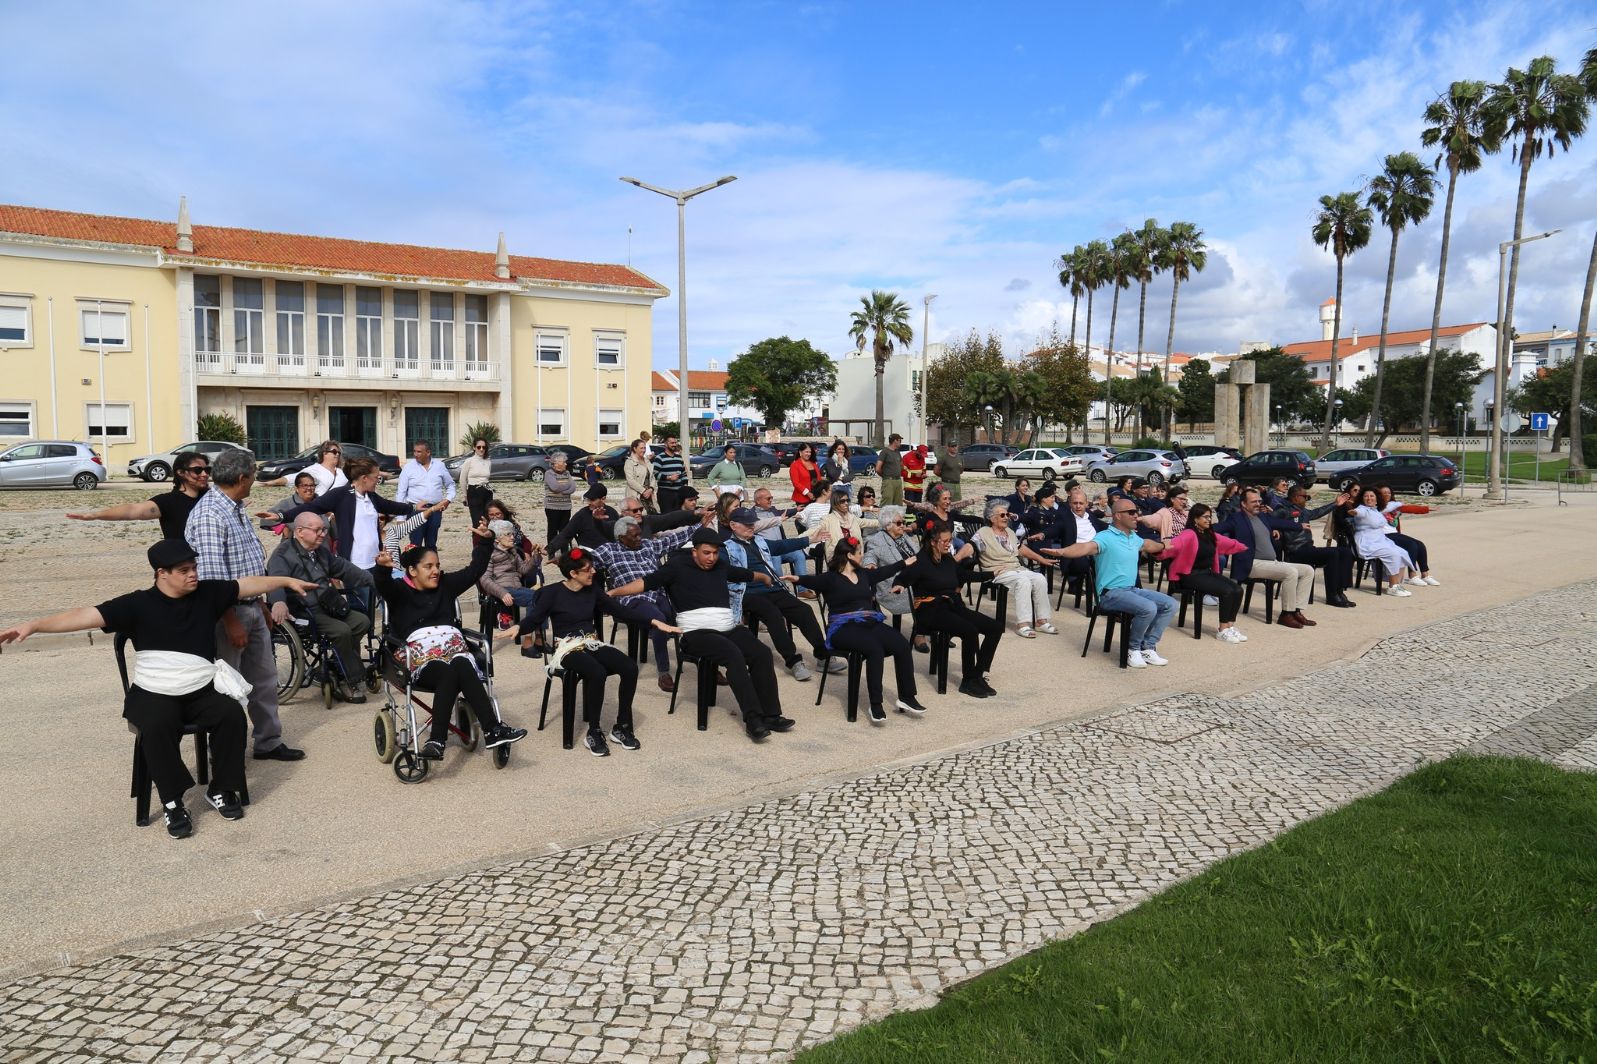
(1369, 535)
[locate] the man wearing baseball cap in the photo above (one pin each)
(773, 604)
(177, 680)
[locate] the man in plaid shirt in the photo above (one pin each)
(222, 534)
(631, 557)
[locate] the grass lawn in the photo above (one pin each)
(1453, 917)
(1521, 466)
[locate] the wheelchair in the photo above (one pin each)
(398, 730)
(305, 657)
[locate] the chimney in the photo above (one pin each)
(502, 261)
(185, 232)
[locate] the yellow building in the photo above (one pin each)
(303, 338)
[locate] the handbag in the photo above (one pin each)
(333, 602)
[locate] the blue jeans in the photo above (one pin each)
(1150, 613)
(426, 533)
(797, 559)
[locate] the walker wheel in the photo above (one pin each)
(410, 768)
(470, 731)
(383, 733)
(501, 756)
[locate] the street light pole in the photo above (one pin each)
(1459, 407)
(682, 197)
(1494, 481)
(925, 327)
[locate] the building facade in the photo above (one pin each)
(303, 338)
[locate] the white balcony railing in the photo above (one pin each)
(227, 363)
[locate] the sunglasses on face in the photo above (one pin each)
(198, 471)
(332, 450)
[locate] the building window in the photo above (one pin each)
(16, 419)
(208, 319)
(330, 326)
(290, 323)
(610, 424)
(369, 328)
(699, 399)
(476, 334)
(16, 321)
(407, 330)
(551, 348)
(441, 317)
(552, 423)
(249, 321)
(104, 324)
(608, 350)
(118, 426)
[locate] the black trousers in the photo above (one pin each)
(478, 496)
(877, 641)
(642, 609)
(448, 680)
(1227, 590)
(1336, 561)
(595, 667)
(959, 620)
(773, 609)
(667, 499)
(556, 520)
(160, 720)
(1075, 568)
(1416, 550)
(750, 669)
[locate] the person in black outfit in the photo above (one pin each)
(191, 478)
(1298, 546)
(572, 608)
(425, 599)
(177, 616)
(934, 586)
(590, 526)
(770, 603)
(856, 624)
(698, 583)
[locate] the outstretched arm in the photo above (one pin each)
(254, 586)
(78, 620)
(127, 511)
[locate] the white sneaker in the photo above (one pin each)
(1229, 635)
(1400, 592)
(1152, 657)
(1134, 660)
(1415, 581)
(1210, 600)
(1432, 581)
(1241, 636)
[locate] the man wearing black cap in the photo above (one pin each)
(175, 672)
(699, 585)
(773, 605)
(590, 526)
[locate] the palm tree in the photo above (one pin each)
(1150, 241)
(886, 317)
(1456, 121)
(1343, 225)
(1123, 252)
(1541, 110)
(1577, 456)
(1183, 254)
(1094, 268)
(1070, 279)
(1402, 194)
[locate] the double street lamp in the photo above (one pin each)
(1494, 480)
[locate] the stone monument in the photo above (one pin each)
(1242, 410)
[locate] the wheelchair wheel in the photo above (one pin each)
(501, 756)
(290, 655)
(410, 768)
(383, 733)
(374, 681)
(329, 686)
(470, 730)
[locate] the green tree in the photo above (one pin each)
(1094, 272)
(221, 426)
(778, 375)
(1183, 254)
(1150, 245)
(482, 430)
(1342, 225)
(1065, 382)
(950, 402)
(1455, 122)
(1071, 277)
(1291, 387)
(1550, 391)
(1195, 392)
(1403, 396)
(1402, 194)
(885, 318)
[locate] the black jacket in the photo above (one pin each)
(340, 502)
(1299, 538)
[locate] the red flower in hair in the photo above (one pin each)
(575, 555)
(852, 542)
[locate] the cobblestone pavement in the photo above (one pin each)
(744, 935)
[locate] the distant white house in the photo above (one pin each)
(855, 402)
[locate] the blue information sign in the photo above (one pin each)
(1540, 422)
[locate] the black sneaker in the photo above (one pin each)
(432, 750)
(624, 738)
(178, 823)
(910, 706)
(781, 724)
(757, 731)
(226, 803)
(974, 688)
(989, 688)
(878, 715)
(503, 734)
(595, 743)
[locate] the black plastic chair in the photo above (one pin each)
(637, 640)
(1189, 596)
(706, 683)
(1269, 596)
(856, 662)
(1111, 617)
(569, 682)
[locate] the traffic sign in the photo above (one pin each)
(1540, 422)
(737, 422)
(715, 425)
(1511, 422)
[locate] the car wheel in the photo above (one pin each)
(1426, 488)
(998, 471)
(1216, 472)
(1344, 483)
(1097, 476)
(85, 482)
(1156, 479)
(157, 472)
(765, 471)
(1230, 482)
(1049, 474)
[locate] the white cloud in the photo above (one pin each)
(1124, 89)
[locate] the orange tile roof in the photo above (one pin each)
(702, 380)
(1320, 350)
(294, 251)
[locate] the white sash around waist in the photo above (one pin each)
(715, 618)
(167, 672)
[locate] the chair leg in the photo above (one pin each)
(1092, 620)
(1269, 603)
(707, 674)
(1109, 635)
(1125, 640)
(568, 710)
(141, 784)
(1181, 618)
(676, 685)
(819, 694)
(1247, 597)
(202, 758)
(543, 714)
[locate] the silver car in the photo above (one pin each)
(51, 464)
(510, 461)
(1330, 465)
(1156, 467)
(158, 467)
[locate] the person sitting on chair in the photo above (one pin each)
(934, 585)
(632, 557)
(590, 526)
(1259, 531)
(894, 543)
(421, 614)
(304, 492)
(1372, 535)
(1118, 549)
(510, 577)
(999, 550)
(768, 601)
(1194, 556)
(1394, 511)
(177, 680)
(305, 557)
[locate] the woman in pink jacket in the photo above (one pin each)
(1195, 555)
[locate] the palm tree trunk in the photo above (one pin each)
(1142, 312)
(1507, 339)
(1436, 315)
(1073, 301)
(1380, 354)
(881, 368)
(1577, 456)
(1108, 357)
(1336, 336)
(1170, 337)
(1086, 346)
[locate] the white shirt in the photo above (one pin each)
(1084, 529)
(425, 484)
(326, 480)
(363, 548)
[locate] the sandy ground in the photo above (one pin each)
(79, 880)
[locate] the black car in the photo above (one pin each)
(1264, 468)
(611, 462)
(283, 467)
(1421, 474)
(757, 461)
(787, 450)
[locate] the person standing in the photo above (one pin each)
(324, 471)
(890, 467)
(805, 475)
(914, 472)
(558, 487)
(474, 479)
(425, 483)
(222, 536)
(191, 473)
(639, 474)
(728, 476)
(670, 474)
(950, 468)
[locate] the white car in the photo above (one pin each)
(158, 467)
(1329, 466)
(1045, 462)
(1207, 460)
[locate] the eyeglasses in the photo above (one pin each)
(315, 531)
(332, 450)
(633, 509)
(1124, 511)
(198, 471)
(479, 447)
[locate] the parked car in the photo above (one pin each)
(283, 467)
(511, 461)
(1421, 474)
(786, 450)
(981, 456)
(1345, 459)
(1265, 467)
(1045, 462)
(611, 462)
(1088, 453)
(158, 467)
(757, 461)
(1209, 460)
(1156, 467)
(51, 464)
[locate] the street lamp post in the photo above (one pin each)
(682, 198)
(1494, 482)
(988, 421)
(1337, 428)
(925, 326)
(1459, 408)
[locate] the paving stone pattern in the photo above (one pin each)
(745, 935)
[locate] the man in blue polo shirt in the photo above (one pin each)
(1118, 549)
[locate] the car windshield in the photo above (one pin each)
(611, 452)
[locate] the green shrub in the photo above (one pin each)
(1148, 443)
(1588, 450)
(482, 430)
(223, 427)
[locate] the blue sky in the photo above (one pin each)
(946, 148)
